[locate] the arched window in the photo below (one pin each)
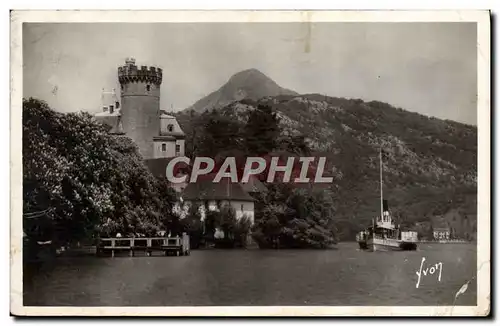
(170, 128)
(148, 88)
(163, 147)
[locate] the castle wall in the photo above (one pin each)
(182, 146)
(140, 106)
(170, 148)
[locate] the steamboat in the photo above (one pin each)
(383, 235)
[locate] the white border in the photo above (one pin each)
(483, 256)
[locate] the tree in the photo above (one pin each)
(241, 231)
(295, 144)
(235, 230)
(295, 218)
(88, 182)
(193, 226)
(220, 133)
(261, 131)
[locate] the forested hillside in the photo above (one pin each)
(430, 165)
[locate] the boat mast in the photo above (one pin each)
(381, 188)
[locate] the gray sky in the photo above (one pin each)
(430, 68)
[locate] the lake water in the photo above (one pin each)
(345, 276)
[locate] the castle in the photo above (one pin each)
(160, 138)
(137, 114)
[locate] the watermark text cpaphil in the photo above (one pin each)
(287, 170)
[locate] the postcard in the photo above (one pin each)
(250, 163)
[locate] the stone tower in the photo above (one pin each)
(140, 104)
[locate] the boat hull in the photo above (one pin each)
(363, 245)
(390, 245)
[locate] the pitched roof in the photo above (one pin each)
(441, 229)
(205, 189)
(111, 119)
(253, 185)
(158, 166)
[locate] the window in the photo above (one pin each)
(117, 105)
(177, 148)
(148, 88)
(170, 128)
(163, 147)
(242, 207)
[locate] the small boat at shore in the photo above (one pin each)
(383, 235)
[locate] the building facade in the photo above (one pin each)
(210, 196)
(441, 233)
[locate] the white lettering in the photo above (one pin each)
(231, 163)
(274, 168)
(420, 273)
(440, 270)
(430, 270)
(170, 169)
(248, 171)
(197, 171)
(306, 161)
(319, 172)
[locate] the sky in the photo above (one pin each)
(429, 68)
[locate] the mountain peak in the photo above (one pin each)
(250, 83)
(248, 73)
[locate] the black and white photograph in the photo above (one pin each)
(288, 163)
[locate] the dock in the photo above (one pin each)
(164, 246)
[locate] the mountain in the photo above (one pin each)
(430, 167)
(246, 84)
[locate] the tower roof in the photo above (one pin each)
(166, 116)
(206, 189)
(131, 73)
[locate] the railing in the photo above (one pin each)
(125, 243)
(179, 245)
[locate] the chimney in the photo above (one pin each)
(385, 205)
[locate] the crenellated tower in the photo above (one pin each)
(140, 104)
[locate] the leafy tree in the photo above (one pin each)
(261, 131)
(193, 226)
(87, 181)
(220, 133)
(211, 218)
(226, 220)
(294, 144)
(241, 231)
(235, 230)
(295, 218)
